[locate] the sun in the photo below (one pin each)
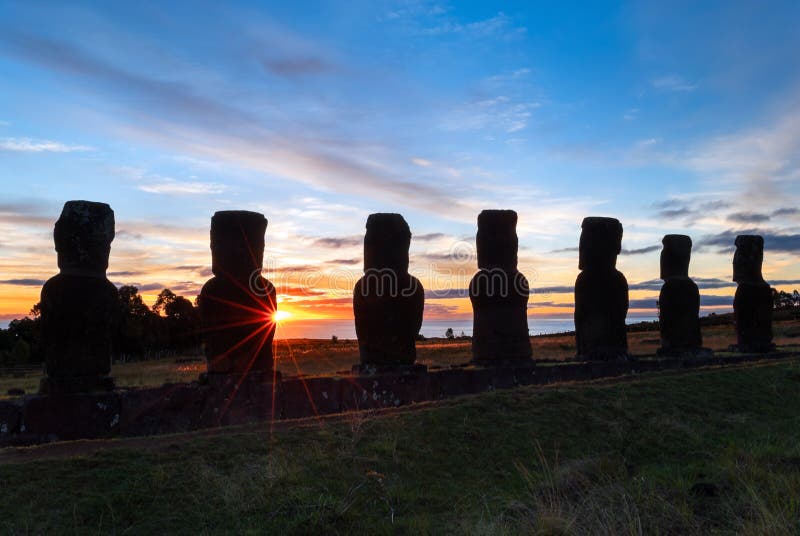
(281, 316)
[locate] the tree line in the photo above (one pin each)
(171, 325)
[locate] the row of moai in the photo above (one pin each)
(79, 305)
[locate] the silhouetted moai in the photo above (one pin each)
(601, 292)
(499, 294)
(679, 301)
(387, 301)
(80, 306)
(237, 304)
(752, 305)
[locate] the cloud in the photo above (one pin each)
(565, 305)
(344, 261)
(748, 217)
(29, 213)
(443, 294)
(294, 291)
(203, 271)
(440, 310)
(689, 210)
(711, 300)
(673, 83)
(294, 268)
(124, 233)
(773, 241)
(30, 145)
(706, 300)
(147, 287)
(703, 283)
(339, 241)
(428, 237)
(500, 24)
(23, 282)
(561, 289)
(171, 186)
(784, 282)
(637, 251)
(497, 113)
(713, 282)
(765, 158)
(640, 251)
(787, 211)
(421, 162)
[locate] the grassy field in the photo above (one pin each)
(317, 356)
(707, 452)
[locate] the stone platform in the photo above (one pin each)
(225, 400)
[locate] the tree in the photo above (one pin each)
(140, 329)
(131, 302)
(782, 301)
(165, 297)
(28, 331)
(449, 333)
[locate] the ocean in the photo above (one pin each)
(345, 329)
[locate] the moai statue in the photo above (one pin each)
(80, 306)
(499, 294)
(752, 305)
(387, 300)
(601, 293)
(679, 301)
(237, 305)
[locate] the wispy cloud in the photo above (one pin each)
(23, 282)
(748, 217)
(172, 186)
(497, 113)
(690, 210)
(640, 251)
(177, 116)
(339, 241)
(31, 145)
(765, 159)
(773, 240)
(498, 25)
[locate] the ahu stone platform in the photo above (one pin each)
(218, 400)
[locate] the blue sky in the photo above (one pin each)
(672, 117)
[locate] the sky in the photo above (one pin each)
(670, 116)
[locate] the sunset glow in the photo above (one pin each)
(281, 316)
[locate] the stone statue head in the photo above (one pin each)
(83, 236)
(675, 256)
(748, 259)
(237, 243)
(497, 241)
(601, 242)
(386, 243)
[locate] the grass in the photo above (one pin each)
(314, 356)
(708, 452)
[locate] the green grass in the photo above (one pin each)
(715, 451)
